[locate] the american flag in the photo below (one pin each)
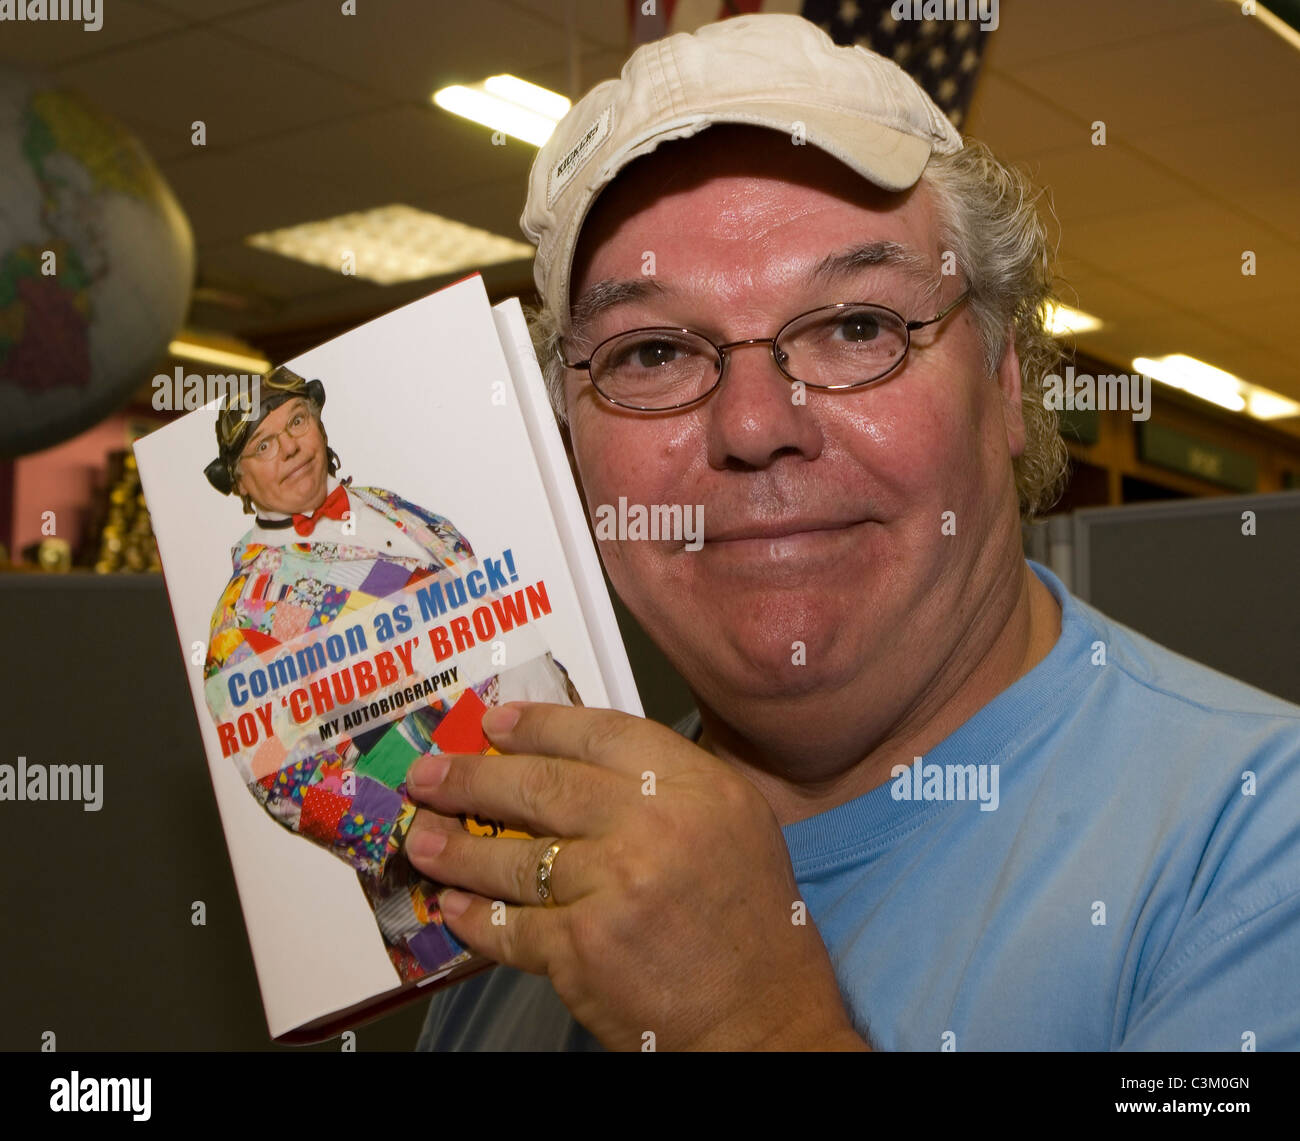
(943, 56)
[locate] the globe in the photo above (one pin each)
(96, 264)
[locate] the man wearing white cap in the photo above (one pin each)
(930, 800)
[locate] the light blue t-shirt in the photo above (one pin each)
(1128, 878)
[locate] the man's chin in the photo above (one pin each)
(775, 614)
(775, 679)
(306, 491)
(783, 659)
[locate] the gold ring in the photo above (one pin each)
(544, 891)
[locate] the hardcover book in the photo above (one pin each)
(364, 550)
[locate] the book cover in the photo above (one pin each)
(364, 550)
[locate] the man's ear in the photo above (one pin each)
(1010, 385)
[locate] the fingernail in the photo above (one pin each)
(425, 845)
(453, 903)
(428, 771)
(500, 719)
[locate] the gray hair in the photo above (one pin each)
(988, 218)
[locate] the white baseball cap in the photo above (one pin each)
(777, 71)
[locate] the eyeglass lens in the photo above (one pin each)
(269, 446)
(832, 347)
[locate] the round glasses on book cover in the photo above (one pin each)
(843, 346)
(268, 447)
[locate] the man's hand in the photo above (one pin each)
(675, 896)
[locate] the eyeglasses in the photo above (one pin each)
(268, 447)
(844, 346)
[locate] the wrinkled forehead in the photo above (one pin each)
(653, 191)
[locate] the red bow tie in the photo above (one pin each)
(334, 507)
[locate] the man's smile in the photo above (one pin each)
(800, 545)
(781, 529)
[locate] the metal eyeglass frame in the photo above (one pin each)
(909, 327)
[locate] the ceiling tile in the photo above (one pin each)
(1268, 366)
(204, 11)
(1178, 333)
(1172, 236)
(495, 207)
(226, 198)
(48, 43)
(1033, 30)
(1115, 302)
(406, 50)
(1210, 284)
(600, 22)
(357, 300)
(1189, 77)
(1015, 121)
(240, 92)
(1276, 208)
(1098, 182)
(1272, 320)
(1233, 157)
(268, 276)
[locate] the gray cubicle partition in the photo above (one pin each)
(1217, 580)
(98, 943)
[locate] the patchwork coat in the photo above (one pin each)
(349, 796)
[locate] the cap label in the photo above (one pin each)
(569, 165)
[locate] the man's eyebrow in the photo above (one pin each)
(257, 436)
(606, 294)
(892, 254)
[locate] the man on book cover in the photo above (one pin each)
(320, 548)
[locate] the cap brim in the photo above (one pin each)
(890, 158)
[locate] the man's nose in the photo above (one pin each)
(289, 445)
(757, 413)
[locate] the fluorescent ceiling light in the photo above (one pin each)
(506, 103)
(391, 244)
(525, 94)
(1063, 321)
(1266, 405)
(1274, 24)
(1217, 386)
(209, 349)
(1196, 377)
